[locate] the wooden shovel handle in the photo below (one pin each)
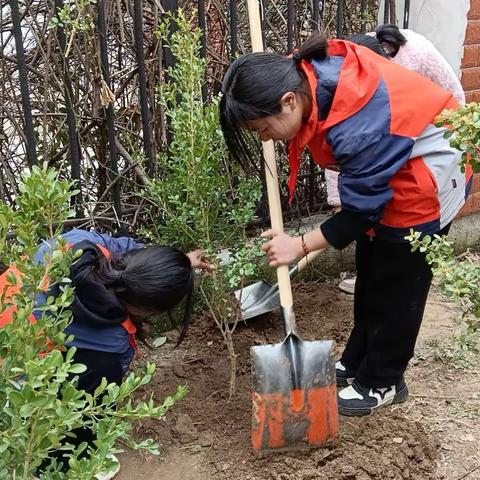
(255, 25)
(283, 274)
(274, 204)
(310, 258)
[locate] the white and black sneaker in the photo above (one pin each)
(345, 375)
(358, 400)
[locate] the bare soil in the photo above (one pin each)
(435, 435)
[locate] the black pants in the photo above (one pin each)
(390, 296)
(99, 365)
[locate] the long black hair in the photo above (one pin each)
(253, 88)
(387, 34)
(368, 41)
(392, 36)
(155, 279)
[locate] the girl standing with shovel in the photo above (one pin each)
(375, 119)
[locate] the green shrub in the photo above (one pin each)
(459, 279)
(464, 132)
(38, 396)
(202, 199)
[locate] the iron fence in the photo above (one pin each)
(82, 95)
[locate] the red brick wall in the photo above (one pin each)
(471, 85)
(473, 202)
(471, 55)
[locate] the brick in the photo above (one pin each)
(472, 205)
(471, 78)
(471, 56)
(475, 184)
(474, 12)
(472, 35)
(472, 96)
(473, 202)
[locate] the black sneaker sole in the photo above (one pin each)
(399, 397)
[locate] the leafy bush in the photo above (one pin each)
(38, 396)
(202, 200)
(464, 132)
(458, 278)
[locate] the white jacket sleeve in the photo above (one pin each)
(333, 196)
(420, 55)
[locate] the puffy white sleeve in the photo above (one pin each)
(333, 196)
(421, 56)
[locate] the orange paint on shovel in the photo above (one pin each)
(322, 424)
(297, 400)
(276, 418)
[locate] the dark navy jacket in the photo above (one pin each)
(95, 335)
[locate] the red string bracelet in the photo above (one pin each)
(306, 251)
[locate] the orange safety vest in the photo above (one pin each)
(8, 290)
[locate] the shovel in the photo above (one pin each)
(294, 389)
(261, 297)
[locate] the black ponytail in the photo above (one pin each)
(314, 48)
(187, 315)
(392, 36)
(253, 87)
(109, 271)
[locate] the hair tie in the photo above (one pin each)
(296, 57)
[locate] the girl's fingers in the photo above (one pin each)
(208, 267)
(195, 257)
(266, 246)
(269, 233)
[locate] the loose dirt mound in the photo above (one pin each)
(204, 424)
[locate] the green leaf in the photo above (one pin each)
(159, 341)
(77, 368)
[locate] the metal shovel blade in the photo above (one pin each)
(257, 299)
(293, 405)
(261, 297)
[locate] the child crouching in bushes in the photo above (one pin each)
(118, 282)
